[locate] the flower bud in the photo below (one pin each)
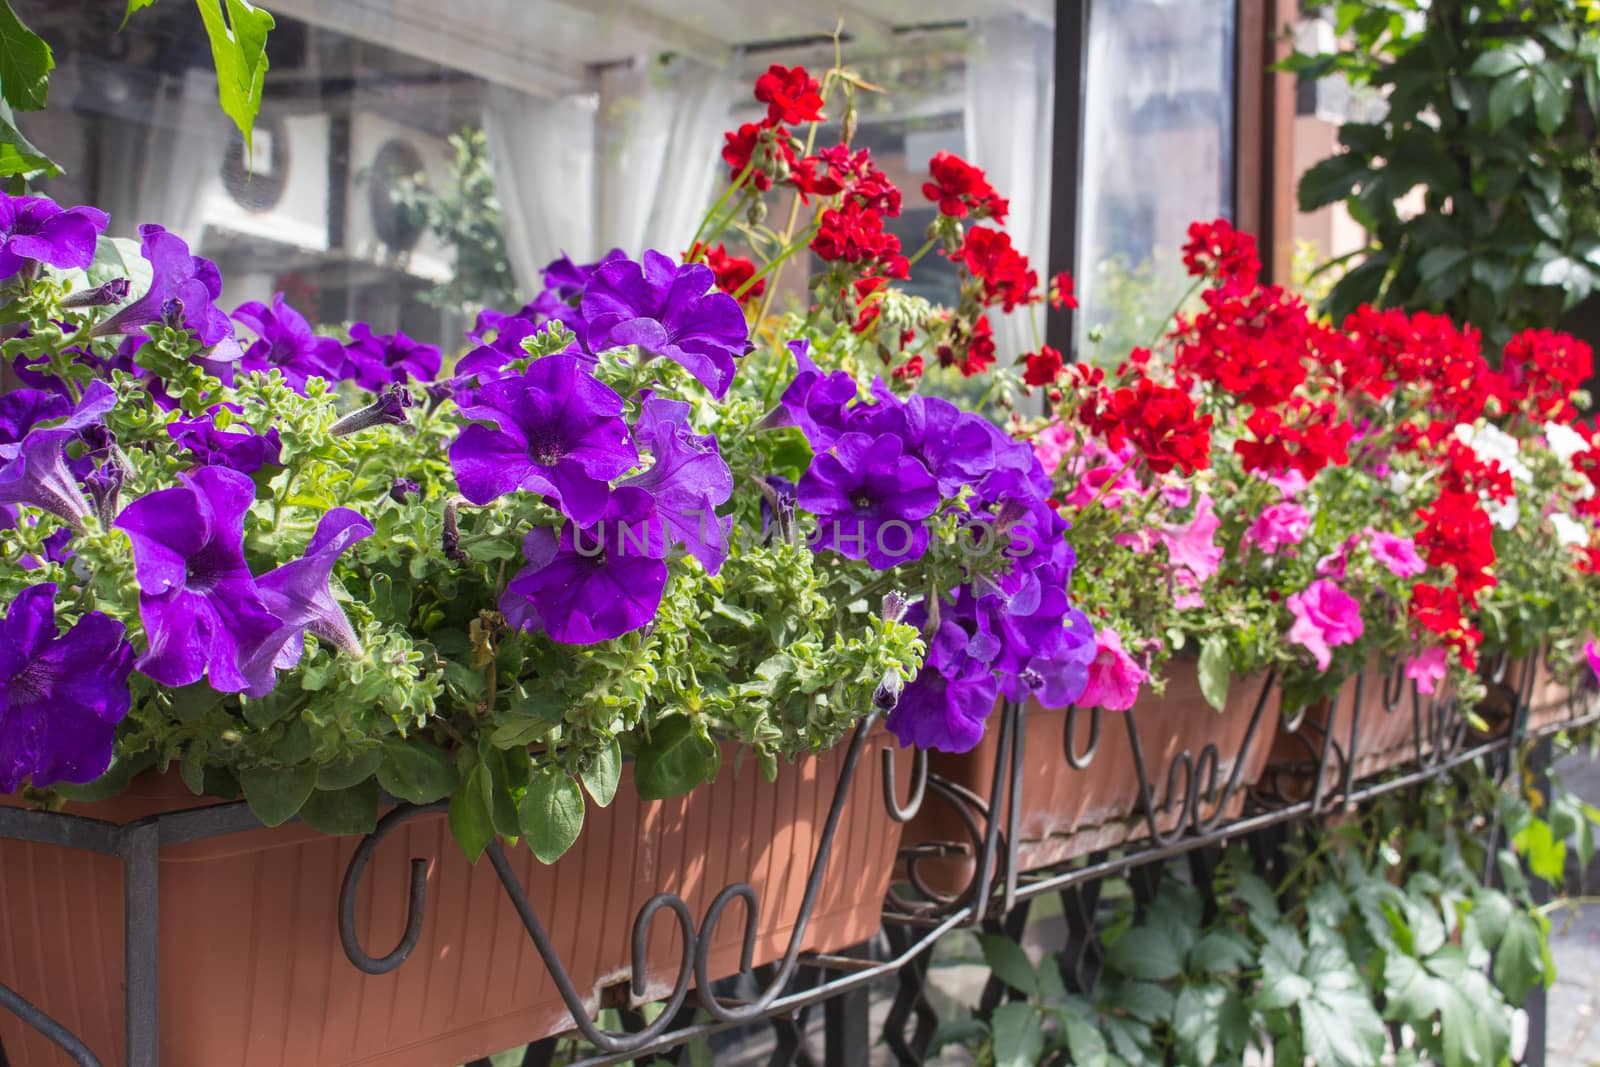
(113, 292)
(389, 408)
(403, 488)
(104, 484)
(451, 538)
(757, 213)
(894, 606)
(172, 313)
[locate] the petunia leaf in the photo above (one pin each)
(677, 758)
(601, 775)
(470, 820)
(352, 810)
(416, 771)
(551, 813)
(276, 794)
(1215, 671)
(239, 49)
(25, 63)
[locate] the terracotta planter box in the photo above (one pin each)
(252, 972)
(1064, 812)
(1549, 702)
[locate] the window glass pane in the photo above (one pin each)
(412, 164)
(1158, 151)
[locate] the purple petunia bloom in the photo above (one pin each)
(35, 470)
(870, 500)
(956, 446)
(61, 695)
(36, 228)
(564, 286)
(688, 479)
(593, 584)
(183, 287)
(667, 310)
(241, 450)
(943, 713)
(22, 409)
(203, 613)
(814, 401)
(557, 429)
(286, 343)
(375, 360)
(297, 594)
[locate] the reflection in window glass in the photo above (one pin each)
(415, 162)
(1158, 152)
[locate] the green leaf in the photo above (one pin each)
(1544, 853)
(353, 810)
(470, 821)
(1084, 1042)
(17, 154)
(344, 774)
(601, 776)
(1009, 963)
(1508, 98)
(239, 49)
(1332, 180)
(1438, 260)
(416, 771)
(1145, 953)
(551, 813)
(1551, 99)
(277, 794)
(678, 757)
(1339, 1025)
(133, 6)
(1495, 64)
(1215, 671)
(1519, 961)
(25, 63)
(1221, 951)
(1018, 1035)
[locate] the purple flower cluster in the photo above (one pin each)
(36, 229)
(374, 361)
(204, 613)
(627, 491)
(881, 468)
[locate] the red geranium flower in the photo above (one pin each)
(1004, 271)
(1216, 248)
(972, 354)
(1438, 610)
(851, 233)
(1044, 366)
(1159, 420)
(731, 271)
(1456, 533)
(836, 171)
(791, 95)
(770, 146)
(1544, 368)
(1062, 291)
(958, 187)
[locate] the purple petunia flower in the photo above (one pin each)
(22, 409)
(956, 446)
(35, 469)
(184, 287)
(37, 228)
(375, 360)
(242, 450)
(203, 613)
(564, 286)
(297, 594)
(557, 429)
(688, 479)
(870, 500)
(667, 310)
(593, 584)
(286, 342)
(814, 401)
(944, 713)
(61, 695)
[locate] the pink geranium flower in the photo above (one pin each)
(1427, 669)
(1280, 526)
(1051, 443)
(1398, 554)
(1325, 617)
(1114, 678)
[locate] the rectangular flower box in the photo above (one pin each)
(252, 972)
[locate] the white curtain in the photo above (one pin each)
(544, 166)
(1010, 94)
(631, 166)
(172, 159)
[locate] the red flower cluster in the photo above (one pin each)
(958, 187)
(1007, 279)
(969, 353)
(792, 96)
(1465, 473)
(1250, 342)
(1315, 441)
(1159, 420)
(1062, 292)
(1543, 369)
(767, 148)
(731, 271)
(851, 233)
(1438, 610)
(1457, 534)
(1044, 366)
(1216, 248)
(837, 171)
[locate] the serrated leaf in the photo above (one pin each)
(239, 49)
(133, 6)
(25, 63)
(1215, 671)
(1145, 953)
(604, 770)
(1340, 1027)
(551, 813)
(1009, 963)
(1018, 1035)
(1220, 951)
(277, 794)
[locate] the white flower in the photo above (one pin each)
(1564, 441)
(1504, 515)
(1492, 443)
(1569, 531)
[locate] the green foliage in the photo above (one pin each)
(238, 34)
(464, 214)
(1490, 111)
(1382, 922)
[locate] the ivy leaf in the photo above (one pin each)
(276, 794)
(1220, 951)
(600, 777)
(1519, 961)
(239, 49)
(1009, 963)
(1339, 1025)
(25, 63)
(352, 810)
(1018, 1035)
(551, 813)
(1145, 953)
(470, 821)
(416, 771)
(677, 758)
